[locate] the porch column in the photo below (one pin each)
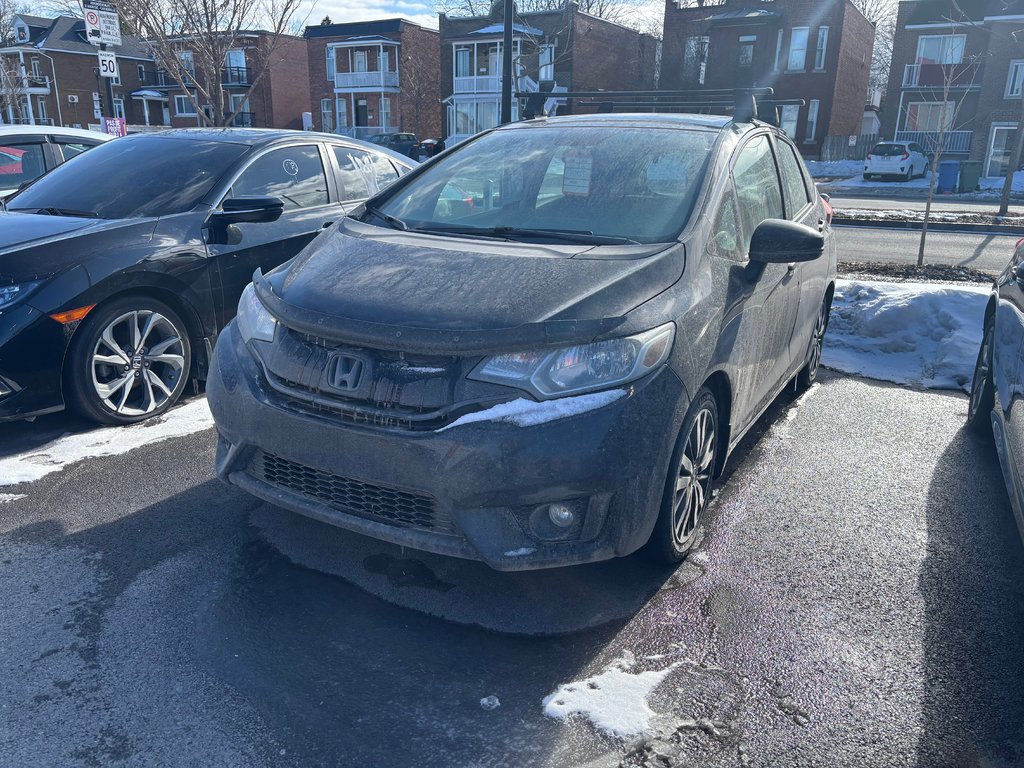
(380, 59)
(145, 111)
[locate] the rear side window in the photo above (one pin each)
(797, 196)
(757, 187)
(294, 174)
(888, 150)
(73, 148)
(20, 163)
(355, 178)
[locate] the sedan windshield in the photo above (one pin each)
(131, 177)
(552, 183)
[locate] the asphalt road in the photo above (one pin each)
(857, 599)
(989, 253)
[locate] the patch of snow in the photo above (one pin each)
(6, 498)
(834, 168)
(615, 701)
(906, 333)
(490, 702)
(521, 552)
(108, 441)
(989, 186)
(420, 369)
(528, 413)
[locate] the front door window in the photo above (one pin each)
(293, 174)
(1000, 149)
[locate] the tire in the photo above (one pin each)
(927, 170)
(809, 373)
(688, 485)
(129, 360)
(983, 390)
(867, 177)
(909, 176)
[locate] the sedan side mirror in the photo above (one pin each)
(776, 241)
(252, 210)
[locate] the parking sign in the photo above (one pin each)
(102, 26)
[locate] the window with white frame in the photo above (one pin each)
(746, 57)
(821, 49)
(788, 118)
(778, 51)
(342, 113)
(385, 61)
(812, 120)
(36, 71)
(183, 106)
(695, 58)
(940, 49)
(119, 108)
(385, 112)
(359, 61)
(798, 49)
(332, 67)
(930, 115)
(546, 69)
(1015, 78)
(141, 69)
(187, 62)
(463, 62)
(41, 108)
(326, 116)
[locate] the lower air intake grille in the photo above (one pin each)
(385, 505)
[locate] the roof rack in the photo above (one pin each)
(742, 104)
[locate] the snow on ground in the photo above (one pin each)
(6, 498)
(108, 441)
(989, 187)
(527, 413)
(909, 333)
(615, 701)
(834, 168)
(910, 214)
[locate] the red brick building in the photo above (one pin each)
(560, 50)
(815, 50)
(958, 70)
(372, 77)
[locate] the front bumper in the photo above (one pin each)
(32, 348)
(476, 491)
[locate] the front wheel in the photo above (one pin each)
(688, 488)
(809, 373)
(128, 361)
(983, 391)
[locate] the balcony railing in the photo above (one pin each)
(952, 141)
(366, 80)
(481, 84)
(366, 131)
(966, 74)
(235, 76)
(37, 83)
(31, 121)
(243, 120)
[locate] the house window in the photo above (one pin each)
(463, 65)
(342, 113)
(326, 116)
(119, 108)
(695, 58)
(36, 71)
(332, 67)
(747, 50)
(41, 108)
(929, 115)
(385, 61)
(359, 61)
(1015, 78)
(187, 62)
(798, 49)
(788, 119)
(940, 49)
(385, 112)
(778, 51)
(812, 120)
(183, 106)
(819, 52)
(142, 73)
(547, 62)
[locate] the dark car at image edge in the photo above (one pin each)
(539, 349)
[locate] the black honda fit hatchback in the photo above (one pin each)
(538, 350)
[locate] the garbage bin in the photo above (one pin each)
(970, 173)
(948, 171)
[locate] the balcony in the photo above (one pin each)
(161, 78)
(31, 121)
(370, 80)
(481, 84)
(235, 76)
(37, 84)
(243, 120)
(957, 142)
(966, 74)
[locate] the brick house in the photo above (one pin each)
(559, 50)
(372, 77)
(958, 66)
(815, 50)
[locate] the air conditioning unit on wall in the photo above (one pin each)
(72, 99)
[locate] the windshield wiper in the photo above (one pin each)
(394, 221)
(60, 212)
(581, 236)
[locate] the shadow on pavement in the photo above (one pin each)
(972, 584)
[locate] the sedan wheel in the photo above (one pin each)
(129, 362)
(809, 374)
(983, 391)
(688, 490)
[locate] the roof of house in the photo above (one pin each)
(744, 16)
(379, 27)
(35, 21)
(67, 34)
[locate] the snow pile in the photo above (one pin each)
(909, 214)
(528, 413)
(907, 333)
(990, 187)
(615, 701)
(108, 441)
(7, 498)
(834, 168)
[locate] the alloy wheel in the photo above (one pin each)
(693, 479)
(137, 362)
(817, 342)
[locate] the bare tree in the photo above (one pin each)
(635, 14)
(209, 29)
(128, 18)
(11, 71)
(881, 13)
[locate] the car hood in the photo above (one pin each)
(395, 290)
(35, 245)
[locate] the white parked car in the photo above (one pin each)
(29, 151)
(903, 160)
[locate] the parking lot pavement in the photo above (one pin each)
(857, 599)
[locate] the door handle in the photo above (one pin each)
(821, 225)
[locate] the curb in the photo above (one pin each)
(933, 226)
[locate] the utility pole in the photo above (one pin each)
(506, 64)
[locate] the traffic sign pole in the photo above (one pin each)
(109, 88)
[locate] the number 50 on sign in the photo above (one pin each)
(108, 64)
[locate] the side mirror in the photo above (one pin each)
(779, 242)
(252, 210)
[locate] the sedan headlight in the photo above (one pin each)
(254, 321)
(580, 368)
(9, 294)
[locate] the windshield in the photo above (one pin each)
(888, 150)
(613, 182)
(132, 177)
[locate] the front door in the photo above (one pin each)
(361, 113)
(1000, 149)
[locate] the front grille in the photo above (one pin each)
(373, 502)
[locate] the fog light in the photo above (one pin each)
(561, 515)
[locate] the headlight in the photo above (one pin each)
(254, 321)
(9, 294)
(580, 368)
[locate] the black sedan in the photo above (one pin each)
(997, 392)
(117, 271)
(539, 348)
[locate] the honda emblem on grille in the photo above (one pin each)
(344, 372)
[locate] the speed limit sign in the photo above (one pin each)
(108, 64)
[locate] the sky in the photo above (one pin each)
(341, 11)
